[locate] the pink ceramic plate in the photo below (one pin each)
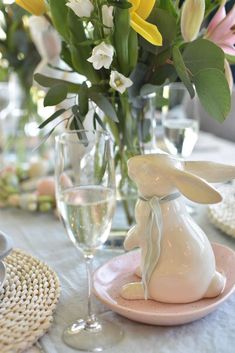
(110, 277)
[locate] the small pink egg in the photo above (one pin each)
(8, 170)
(46, 187)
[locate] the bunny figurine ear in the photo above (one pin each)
(195, 188)
(210, 171)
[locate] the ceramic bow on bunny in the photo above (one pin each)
(177, 260)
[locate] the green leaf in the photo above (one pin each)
(78, 125)
(121, 37)
(55, 95)
(168, 6)
(213, 91)
(59, 12)
(181, 70)
(80, 54)
(100, 122)
(45, 137)
(165, 73)
(103, 103)
(133, 49)
(121, 4)
(94, 122)
(66, 55)
(167, 25)
(46, 81)
(163, 56)
(51, 118)
(202, 54)
(230, 58)
(83, 100)
(211, 6)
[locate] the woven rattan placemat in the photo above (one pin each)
(27, 302)
(222, 215)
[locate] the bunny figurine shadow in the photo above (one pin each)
(177, 260)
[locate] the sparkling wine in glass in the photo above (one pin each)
(85, 192)
(180, 121)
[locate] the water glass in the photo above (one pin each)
(180, 119)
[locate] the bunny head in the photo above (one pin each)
(161, 174)
(150, 173)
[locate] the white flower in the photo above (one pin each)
(119, 82)
(82, 8)
(107, 16)
(102, 56)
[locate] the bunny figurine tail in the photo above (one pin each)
(216, 286)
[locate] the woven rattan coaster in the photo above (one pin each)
(27, 302)
(222, 215)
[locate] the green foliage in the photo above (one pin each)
(202, 54)
(83, 100)
(230, 58)
(96, 118)
(18, 52)
(51, 118)
(169, 6)
(122, 4)
(46, 81)
(199, 65)
(163, 75)
(66, 55)
(213, 91)
(104, 104)
(56, 95)
(59, 12)
(80, 54)
(121, 39)
(167, 25)
(202, 64)
(132, 49)
(182, 70)
(211, 5)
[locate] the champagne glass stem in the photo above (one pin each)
(91, 322)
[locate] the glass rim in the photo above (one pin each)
(60, 138)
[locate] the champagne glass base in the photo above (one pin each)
(93, 337)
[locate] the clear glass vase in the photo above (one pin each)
(134, 134)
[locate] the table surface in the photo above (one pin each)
(44, 237)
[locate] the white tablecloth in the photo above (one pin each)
(44, 237)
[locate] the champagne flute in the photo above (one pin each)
(85, 192)
(180, 120)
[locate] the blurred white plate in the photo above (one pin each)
(2, 274)
(5, 245)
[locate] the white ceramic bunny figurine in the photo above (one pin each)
(177, 260)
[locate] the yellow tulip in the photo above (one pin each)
(35, 7)
(139, 12)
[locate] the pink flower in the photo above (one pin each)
(221, 29)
